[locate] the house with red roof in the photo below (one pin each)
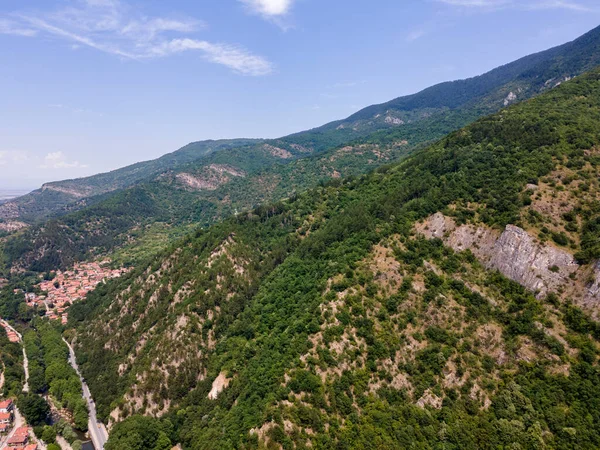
(7, 406)
(27, 447)
(18, 440)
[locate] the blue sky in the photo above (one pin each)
(92, 85)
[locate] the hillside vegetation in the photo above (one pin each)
(202, 191)
(375, 312)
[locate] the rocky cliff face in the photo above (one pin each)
(541, 268)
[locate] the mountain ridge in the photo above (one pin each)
(309, 158)
(327, 320)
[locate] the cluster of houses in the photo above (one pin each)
(20, 438)
(12, 336)
(6, 415)
(69, 286)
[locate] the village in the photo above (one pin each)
(14, 435)
(53, 294)
(69, 286)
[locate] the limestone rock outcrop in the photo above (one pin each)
(541, 268)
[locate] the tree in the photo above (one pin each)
(80, 415)
(53, 447)
(49, 435)
(35, 409)
(37, 380)
(163, 442)
(138, 433)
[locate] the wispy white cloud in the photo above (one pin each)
(416, 34)
(8, 157)
(561, 4)
(13, 28)
(348, 84)
(116, 28)
(75, 110)
(275, 11)
(269, 8)
(232, 56)
(58, 160)
(477, 3)
(572, 5)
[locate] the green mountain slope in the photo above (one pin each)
(445, 301)
(483, 94)
(160, 207)
(64, 196)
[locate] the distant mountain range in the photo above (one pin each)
(61, 197)
(206, 181)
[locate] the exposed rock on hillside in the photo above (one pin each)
(220, 383)
(210, 178)
(515, 253)
(73, 190)
(12, 225)
(277, 152)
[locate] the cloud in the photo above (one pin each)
(10, 27)
(114, 27)
(75, 110)
(560, 4)
(234, 57)
(477, 3)
(415, 34)
(269, 8)
(13, 157)
(58, 160)
(275, 11)
(348, 84)
(521, 4)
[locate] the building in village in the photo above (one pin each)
(7, 406)
(20, 439)
(27, 447)
(69, 286)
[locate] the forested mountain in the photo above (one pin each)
(155, 209)
(63, 196)
(483, 94)
(446, 301)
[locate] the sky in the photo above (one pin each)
(88, 86)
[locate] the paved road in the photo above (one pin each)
(98, 431)
(26, 368)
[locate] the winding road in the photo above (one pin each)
(98, 431)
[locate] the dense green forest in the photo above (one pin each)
(12, 366)
(337, 326)
(157, 209)
(50, 372)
